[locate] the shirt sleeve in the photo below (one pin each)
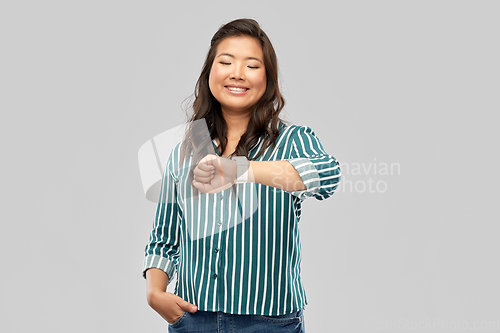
(162, 251)
(319, 171)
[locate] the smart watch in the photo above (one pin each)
(242, 165)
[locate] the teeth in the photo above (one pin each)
(236, 89)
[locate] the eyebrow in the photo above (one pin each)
(232, 56)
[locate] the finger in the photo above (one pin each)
(201, 179)
(210, 159)
(185, 305)
(188, 306)
(204, 166)
(199, 171)
(204, 188)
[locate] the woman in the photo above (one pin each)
(227, 222)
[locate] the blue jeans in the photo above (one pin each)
(220, 322)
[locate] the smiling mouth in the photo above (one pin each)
(236, 89)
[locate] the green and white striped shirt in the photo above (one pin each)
(238, 251)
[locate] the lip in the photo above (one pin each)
(236, 92)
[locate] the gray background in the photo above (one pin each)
(415, 83)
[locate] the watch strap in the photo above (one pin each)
(242, 165)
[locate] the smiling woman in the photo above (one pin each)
(238, 75)
(227, 223)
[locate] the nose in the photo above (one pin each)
(237, 73)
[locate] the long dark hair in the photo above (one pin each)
(264, 119)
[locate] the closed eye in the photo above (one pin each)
(225, 63)
(253, 67)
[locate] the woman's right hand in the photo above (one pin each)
(170, 306)
(214, 174)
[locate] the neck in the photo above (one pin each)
(237, 123)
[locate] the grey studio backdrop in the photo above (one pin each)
(403, 93)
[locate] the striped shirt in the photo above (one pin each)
(238, 251)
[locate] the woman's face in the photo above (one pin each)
(238, 76)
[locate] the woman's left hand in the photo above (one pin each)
(214, 174)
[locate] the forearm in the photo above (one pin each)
(156, 281)
(279, 174)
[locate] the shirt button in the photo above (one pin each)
(215, 276)
(216, 250)
(219, 222)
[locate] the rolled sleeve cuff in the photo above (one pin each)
(156, 261)
(309, 175)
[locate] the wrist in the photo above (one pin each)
(242, 169)
(154, 297)
(251, 168)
